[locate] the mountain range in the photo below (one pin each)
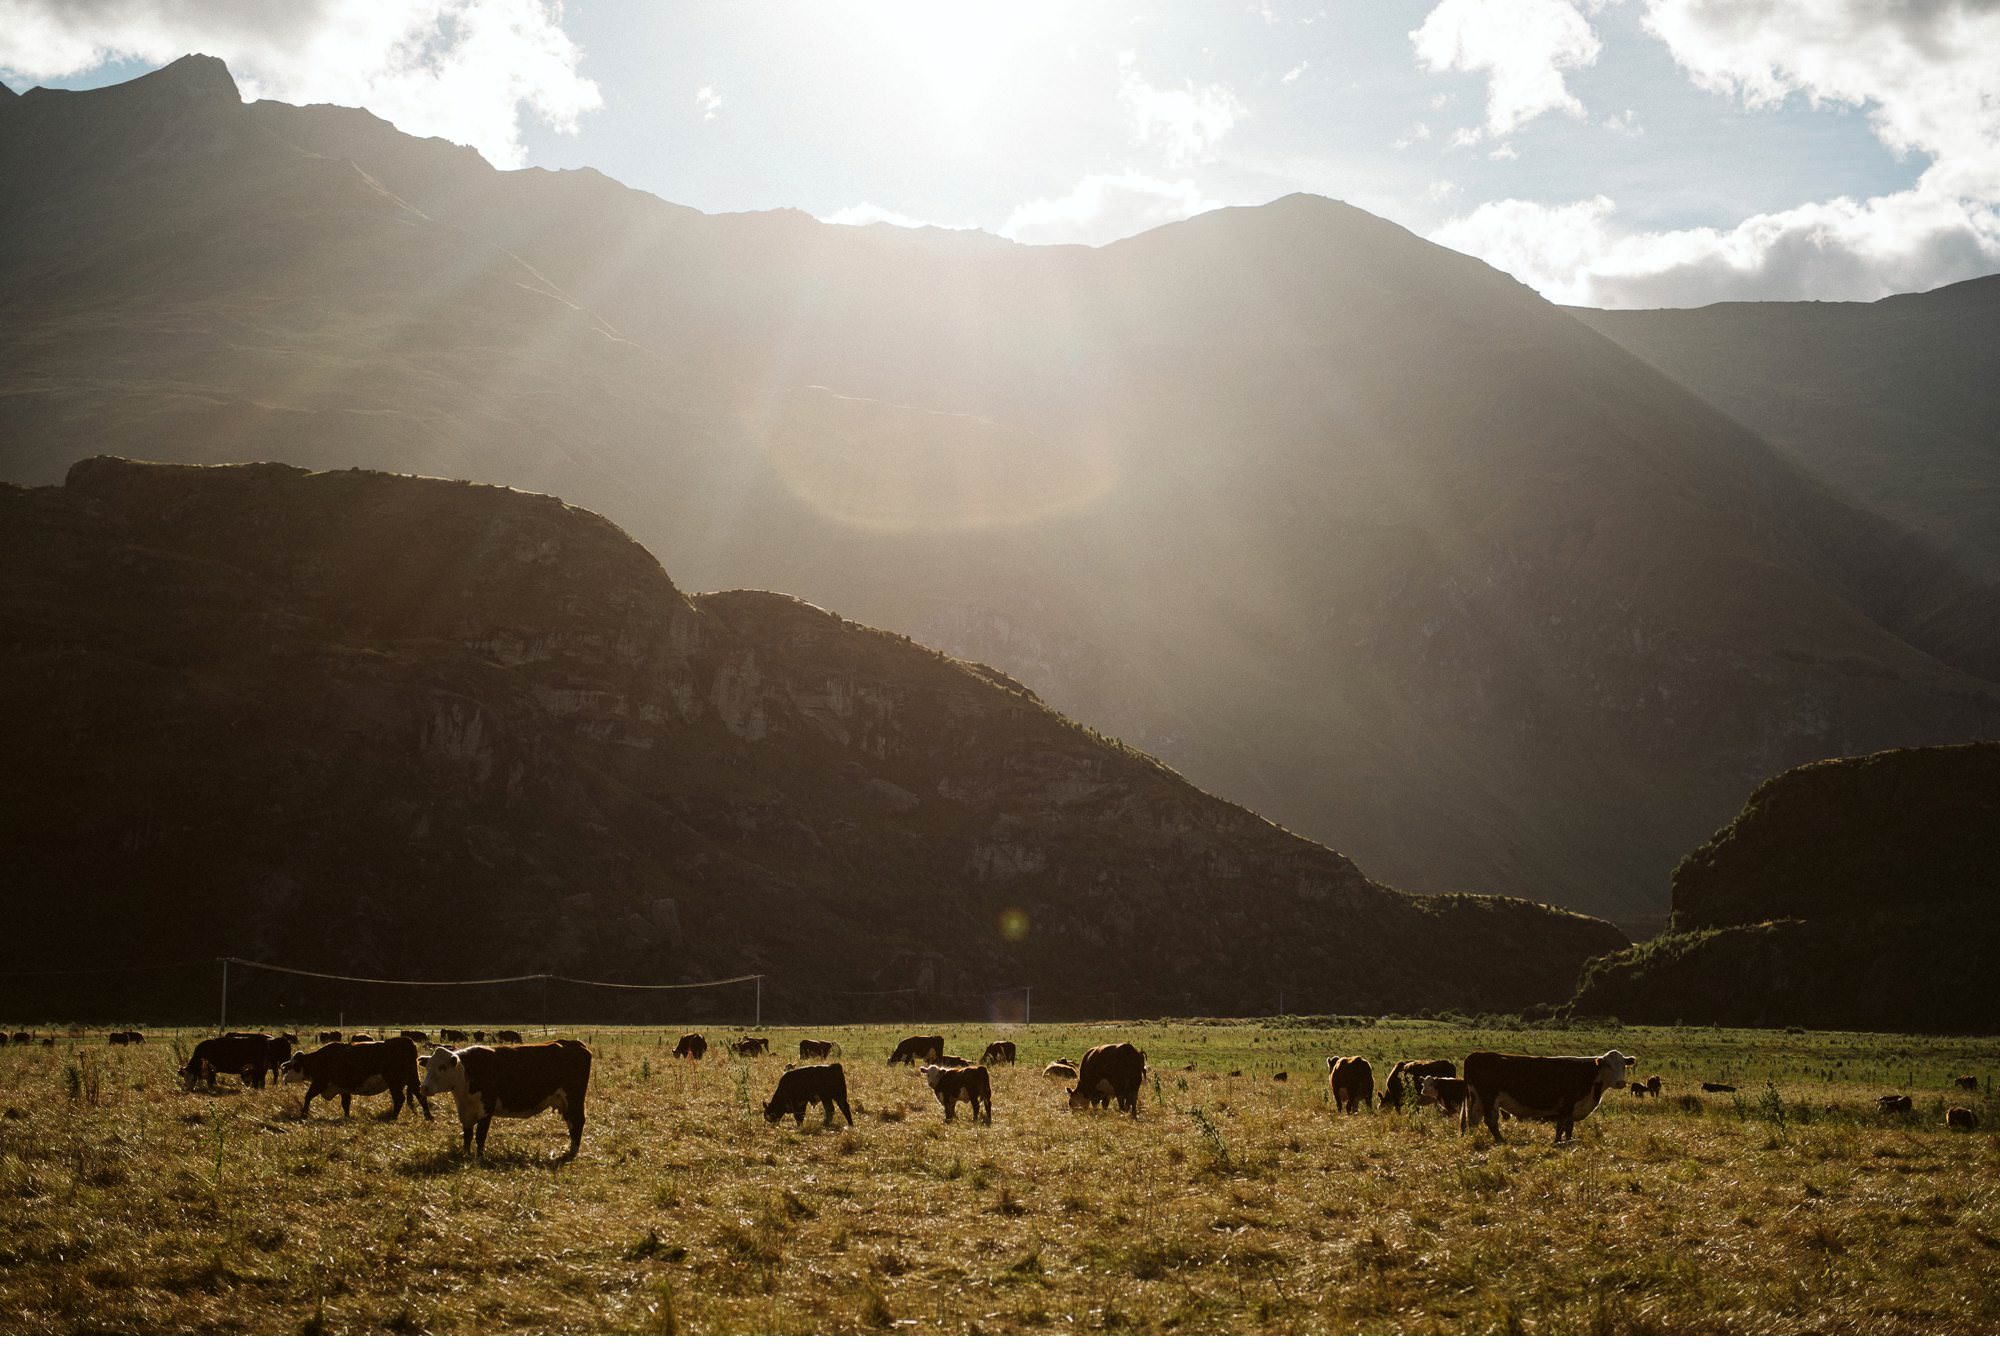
(1347, 527)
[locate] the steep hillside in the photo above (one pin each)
(1346, 526)
(424, 728)
(1849, 893)
(1895, 402)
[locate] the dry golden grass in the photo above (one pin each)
(1232, 1204)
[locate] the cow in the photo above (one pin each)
(811, 1049)
(514, 1081)
(331, 1038)
(1281, 1077)
(347, 1070)
(823, 1085)
(751, 1047)
(1449, 1095)
(913, 1048)
(507, 1037)
(1718, 1087)
(1961, 1118)
(1559, 1088)
(1968, 1081)
(950, 1061)
(1351, 1080)
(479, 1038)
(1413, 1070)
(1109, 1071)
(1894, 1105)
(250, 1054)
(999, 1052)
(23, 1038)
(1059, 1068)
(1638, 1089)
(1653, 1086)
(135, 1038)
(116, 1038)
(970, 1083)
(453, 1036)
(691, 1046)
(417, 1037)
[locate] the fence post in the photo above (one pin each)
(760, 1003)
(1028, 1006)
(222, 1019)
(545, 1005)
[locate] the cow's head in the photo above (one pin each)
(931, 1074)
(1611, 1067)
(293, 1071)
(191, 1075)
(444, 1071)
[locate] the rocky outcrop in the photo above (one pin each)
(410, 726)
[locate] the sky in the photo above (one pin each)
(1622, 153)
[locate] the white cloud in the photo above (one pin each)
(1504, 150)
(1417, 132)
(1291, 76)
(1103, 207)
(1578, 253)
(867, 213)
(1625, 123)
(1183, 124)
(1443, 190)
(466, 70)
(710, 102)
(1523, 46)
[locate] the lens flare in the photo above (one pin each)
(1013, 925)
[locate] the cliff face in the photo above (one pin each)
(379, 724)
(1850, 893)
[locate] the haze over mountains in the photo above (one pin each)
(1344, 526)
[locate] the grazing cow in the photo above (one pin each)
(998, 1052)
(1653, 1086)
(969, 1083)
(250, 1054)
(479, 1038)
(331, 1038)
(513, 1081)
(453, 1036)
(811, 1049)
(691, 1046)
(823, 1085)
(1281, 1077)
(23, 1038)
(116, 1038)
(1449, 1095)
(1718, 1087)
(347, 1070)
(913, 1048)
(1559, 1088)
(1638, 1089)
(135, 1038)
(507, 1037)
(1412, 1070)
(1351, 1079)
(1110, 1071)
(751, 1047)
(1059, 1068)
(48, 1042)
(1968, 1081)
(417, 1037)
(1961, 1118)
(1894, 1105)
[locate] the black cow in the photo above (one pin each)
(809, 1085)
(691, 1046)
(249, 1054)
(348, 1071)
(811, 1049)
(999, 1052)
(912, 1049)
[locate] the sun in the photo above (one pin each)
(961, 62)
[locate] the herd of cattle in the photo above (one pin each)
(496, 1075)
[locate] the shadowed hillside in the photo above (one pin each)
(1850, 893)
(1346, 526)
(414, 727)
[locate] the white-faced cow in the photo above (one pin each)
(999, 1052)
(1406, 1076)
(513, 1081)
(691, 1046)
(1559, 1088)
(358, 1070)
(969, 1083)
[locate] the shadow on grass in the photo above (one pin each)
(451, 1159)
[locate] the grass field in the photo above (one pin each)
(1233, 1203)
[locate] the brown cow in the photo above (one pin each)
(691, 1046)
(23, 1038)
(507, 1037)
(513, 1081)
(331, 1038)
(479, 1038)
(1894, 1105)
(822, 1085)
(1412, 1070)
(116, 1038)
(1351, 1080)
(1559, 1088)
(1059, 1068)
(1653, 1086)
(998, 1052)
(417, 1037)
(751, 1047)
(913, 1048)
(250, 1054)
(950, 1061)
(1449, 1095)
(1718, 1087)
(1961, 1118)
(968, 1083)
(1110, 1071)
(810, 1049)
(453, 1036)
(347, 1071)
(1968, 1081)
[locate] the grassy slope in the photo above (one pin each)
(154, 1210)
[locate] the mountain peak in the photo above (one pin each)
(196, 75)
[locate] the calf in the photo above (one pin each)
(1653, 1086)
(751, 1047)
(1559, 1088)
(249, 1054)
(1110, 1071)
(1451, 1096)
(998, 1052)
(1413, 1070)
(913, 1048)
(691, 1046)
(1961, 1118)
(1351, 1080)
(823, 1085)
(513, 1081)
(348, 1071)
(968, 1083)
(1968, 1081)
(1894, 1105)
(1060, 1068)
(811, 1049)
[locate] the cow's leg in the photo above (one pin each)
(479, 1133)
(949, 1104)
(799, 1114)
(466, 1145)
(305, 1107)
(417, 1092)
(1492, 1115)
(396, 1103)
(844, 1109)
(575, 1119)
(346, 1105)
(828, 1106)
